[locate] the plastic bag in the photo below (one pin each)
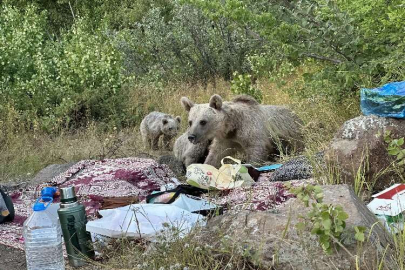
(386, 101)
(144, 221)
(229, 176)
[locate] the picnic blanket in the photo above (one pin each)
(128, 177)
(93, 180)
(264, 195)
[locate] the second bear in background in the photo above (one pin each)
(157, 124)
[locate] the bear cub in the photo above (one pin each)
(157, 124)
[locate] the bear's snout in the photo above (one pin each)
(191, 138)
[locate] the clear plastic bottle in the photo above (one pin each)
(43, 240)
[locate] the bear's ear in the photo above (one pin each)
(187, 104)
(164, 121)
(216, 102)
(178, 119)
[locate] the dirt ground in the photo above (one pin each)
(11, 258)
(14, 259)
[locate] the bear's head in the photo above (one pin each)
(204, 120)
(170, 125)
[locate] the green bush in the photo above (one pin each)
(242, 84)
(60, 83)
(188, 46)
(353, 44)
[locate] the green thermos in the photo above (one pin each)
(72, 217)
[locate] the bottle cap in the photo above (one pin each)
(41, 205)
(68, 195)
(48, 191)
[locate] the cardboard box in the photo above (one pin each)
(389, 207)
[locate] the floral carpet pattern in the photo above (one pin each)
(93, 181)
(137, 177)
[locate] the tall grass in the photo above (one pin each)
(25, 151)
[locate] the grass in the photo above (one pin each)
(23, 154)
(189, 252)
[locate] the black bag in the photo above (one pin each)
(10, 208)
(188, 190)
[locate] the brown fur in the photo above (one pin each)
(242, 125)
(189, 153)
(156, 125)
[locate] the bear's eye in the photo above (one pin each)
(203, 122)
(190, 123)
(171, 129)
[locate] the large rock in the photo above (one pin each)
(50, 171)
(272, 239)
(45, 175)
(359, 143)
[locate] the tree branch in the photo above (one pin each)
(324, 58)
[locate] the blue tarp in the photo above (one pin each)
(386, 101)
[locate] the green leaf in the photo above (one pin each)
(327, 224)
(317, 189)
(359, 236)
(393, 152)
(325, 215)
(300, 226)
(343, 215)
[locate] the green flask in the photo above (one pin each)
(73, 221)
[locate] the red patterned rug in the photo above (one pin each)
(93, 180)
(264, 195)
(96, 180)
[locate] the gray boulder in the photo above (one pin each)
(49, 172)
(359, 143)
(272, 240)
(45, 175)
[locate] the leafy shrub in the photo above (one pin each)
(242, 84)
(189, 46)
(352, 44)
(326, 221)
(59, 83)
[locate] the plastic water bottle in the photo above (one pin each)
(43, 238)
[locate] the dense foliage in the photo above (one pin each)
(63, 63)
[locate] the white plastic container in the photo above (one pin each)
(43, 240)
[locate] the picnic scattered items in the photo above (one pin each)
(386, 101)
(389, 207)
(115, 202)
(265, 168)
(146, 221)
(255, 172)
(228, 176)
(73, 221)
(162, 201)
(185, 197)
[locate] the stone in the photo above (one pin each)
(301, 167)
(49, 172)
(45, 175)
(359, 145)
(274, 243)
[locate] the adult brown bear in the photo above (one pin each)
(260, 131)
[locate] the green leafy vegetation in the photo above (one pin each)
(395, 148)
(242, 84)
(326, 221)
(77, 77)
(66, 63)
